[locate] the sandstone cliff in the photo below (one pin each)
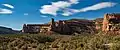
(73, 26)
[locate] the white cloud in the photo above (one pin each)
(43, 16)
(8, 5)
(94, 7)
(67, 13)
(64, 7)
(49, 9)
(74, 1)
(56, 6)
(61, 4)
(71, 10)
(5, 11)
(98, 6)
(26, 14)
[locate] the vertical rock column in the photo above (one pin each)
(52, 25)
(105, 22)
(24, 28)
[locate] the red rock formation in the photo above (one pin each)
(35, 28)
(99, 23)
(62, 27)
(110, 21)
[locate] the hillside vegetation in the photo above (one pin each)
(5, 30)
(59, 42)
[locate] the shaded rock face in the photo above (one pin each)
(111, 22)
(80, 26)
(35, 28)
(74, 26)
(62, 26)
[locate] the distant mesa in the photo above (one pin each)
(5, 30)
(110, 23)
(62, 26)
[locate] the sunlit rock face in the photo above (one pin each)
(62, 26)
(111, 22)
(98, 23)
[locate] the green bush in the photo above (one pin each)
(60, 42)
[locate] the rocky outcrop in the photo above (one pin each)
(111, 22)
(35, 28)
(99, 23)
(74, 26)
(82, 26)
(62, 26)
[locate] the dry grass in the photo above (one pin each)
(59, 42)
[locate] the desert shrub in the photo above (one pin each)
(42, 38)
(61, 42)
(89, 42)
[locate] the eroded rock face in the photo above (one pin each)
(81, 26)
(74, 26)
(111, 22)
(99, 23)
(62, 26)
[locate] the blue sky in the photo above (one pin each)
(15, 13)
